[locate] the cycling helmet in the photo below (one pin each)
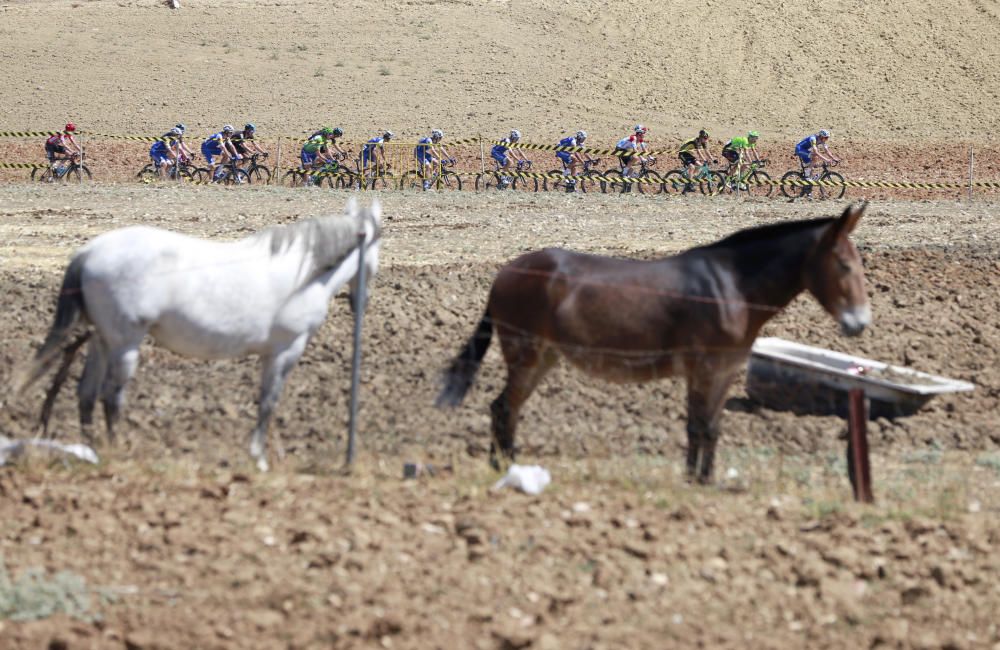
(338, 132)
(228, 129)
(180, 127)
(250, 127)
(388, 135)
(581, 135)
(174, 131)
(703, 134)
(753, 134)
(437, 134)
(640, 128)
(823, 133)
(327, 131)
(515, 135)
(70, 127)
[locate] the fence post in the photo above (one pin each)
(277, 165)
(482, 155)
(858, 465)
(972, 158)
(359, 310)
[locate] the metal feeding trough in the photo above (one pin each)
(784, 375)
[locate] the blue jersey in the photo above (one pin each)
(806, 144)
(500, 149)
(568, 142)
(214, 141)
(370, 147)
(423, 148)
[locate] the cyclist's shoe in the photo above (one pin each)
(687, 189)
(743, 187)
(427, 185)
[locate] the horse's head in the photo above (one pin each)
(836, 276)
(370, 219)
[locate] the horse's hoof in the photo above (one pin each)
(262, 464)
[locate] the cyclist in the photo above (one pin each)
(499, 154)
(425, 154)
(632, 147)
(808, 149)
(62, 143)
(692, 153)
(738, 150)
(165, 151)
(243, 142)
(331, 142)
(373, 153)
(218, 150)
(182, 148)
(571, 159)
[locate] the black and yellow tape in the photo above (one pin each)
(4, 165)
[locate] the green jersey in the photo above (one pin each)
(314, 144)
(737, 143)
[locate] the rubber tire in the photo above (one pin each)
(448, 180)
(836, 192)
(674, 182)
(411, 180)
(235, 177)
(525, 184)
(715, 184)
(756, 188)
(147, 175)
(260, 175)
(612, 187)
(656, 187)
(793, 191)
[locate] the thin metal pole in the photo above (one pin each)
(972, 158)
(359, 311)
(482, 154)
(277, 165)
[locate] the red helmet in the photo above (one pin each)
(71, 127)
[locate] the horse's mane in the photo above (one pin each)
(329, 238)
(769, 232)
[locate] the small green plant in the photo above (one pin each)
(923, 457)
(318, 73)
(274, 56)
(338, 64)
(384, 71)
(989, 461)
(35, 595)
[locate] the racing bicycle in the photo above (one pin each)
(67, 170)
(677, 181)
(753, 180)
(646, 181)
(582, 182)
(442, 177)
(835, 190)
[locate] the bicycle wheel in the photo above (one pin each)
(77, 174)
(449, 181)
(202, 175)
(613, 184)
(759, 183)
(148, 174)
(675, 181)
(45, 175)
(650, 183)
(292, 178)
(713, 184)
(379, 182)
(525, 183)
(259, 174)
(235, 177)
(832, 191)
(411, 180)
(793, 191)
(553, 184)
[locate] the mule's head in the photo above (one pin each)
(836, 276)
(370, 219)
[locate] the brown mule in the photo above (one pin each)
(695, 315)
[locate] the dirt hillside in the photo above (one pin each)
(899, 70)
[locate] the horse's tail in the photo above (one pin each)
(459, 375)
(70, 309)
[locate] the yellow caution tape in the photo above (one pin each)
(4, 165)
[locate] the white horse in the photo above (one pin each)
(265, 295)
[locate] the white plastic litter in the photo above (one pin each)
(11, 450)
(530, 479)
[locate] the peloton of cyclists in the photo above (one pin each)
(63, 144)
(499, 153)
(430, 152)
(812, 147)
(570, 159)
(218, 149)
